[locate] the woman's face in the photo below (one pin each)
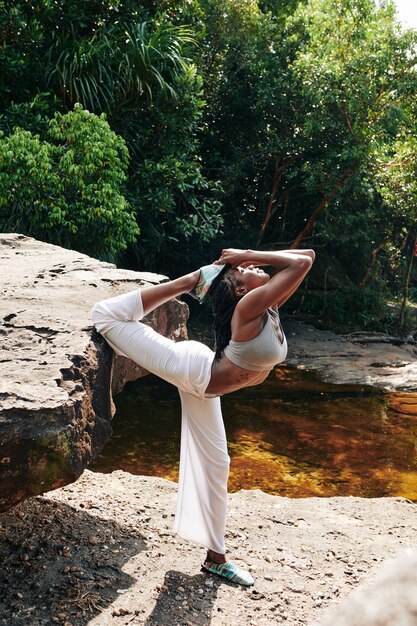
(250, 277)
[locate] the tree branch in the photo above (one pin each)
(323, 204)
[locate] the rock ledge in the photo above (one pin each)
(56, 377)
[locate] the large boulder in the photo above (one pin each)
(57, 375)
(390, 600)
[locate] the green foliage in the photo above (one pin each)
(348, 308)
(248, 122)
(305, 108)
(118, 63)
(33, 115)
(69, 188)
(176, 203)
(21, 36)
(413, 295)
(134, 63)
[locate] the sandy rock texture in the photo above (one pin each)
(56, 378)
(101, 552)
(358, 359)
(389, 600)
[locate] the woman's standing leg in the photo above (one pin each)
(204, 471)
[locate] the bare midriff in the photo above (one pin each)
(227, 377)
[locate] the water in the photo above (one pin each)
(291, 436)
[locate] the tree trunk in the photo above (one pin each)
(372, 263)
(323, 204)
(406, 286)
(269, 210)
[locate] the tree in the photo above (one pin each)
(131, 62)
(139, 70)
(397, 182)
(357, 71)
(248, 122)
(68, 190)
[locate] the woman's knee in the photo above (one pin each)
(123, 308)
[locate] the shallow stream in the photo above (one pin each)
(291, 436)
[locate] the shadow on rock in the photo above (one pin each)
(186, 600)
(60, 564)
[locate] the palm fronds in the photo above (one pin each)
(119, 63)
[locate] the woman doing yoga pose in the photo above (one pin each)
(249, 342)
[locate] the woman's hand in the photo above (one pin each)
(235, 257)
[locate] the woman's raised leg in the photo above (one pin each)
(185, 364)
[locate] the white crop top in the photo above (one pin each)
(263, 351)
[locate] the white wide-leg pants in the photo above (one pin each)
(204, 460)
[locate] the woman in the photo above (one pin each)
(249, 342)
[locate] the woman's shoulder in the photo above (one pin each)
(241, 320)
(244, 330)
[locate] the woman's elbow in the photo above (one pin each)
(305, 264)
(311, 254)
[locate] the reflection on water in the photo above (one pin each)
(291, 436)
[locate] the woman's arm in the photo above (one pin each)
(279, 259)
(309, 253)
(156, 295)
(292, 267)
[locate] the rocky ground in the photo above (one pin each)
(359, 358)
(101, 552)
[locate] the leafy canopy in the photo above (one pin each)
(69, 187)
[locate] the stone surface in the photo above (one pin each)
(358, 359)
(390, 600)
(101, 552)
(56, 373)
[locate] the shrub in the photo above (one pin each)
(68, 190)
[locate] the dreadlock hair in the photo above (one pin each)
(223, 303)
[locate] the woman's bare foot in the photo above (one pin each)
(215, 557)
